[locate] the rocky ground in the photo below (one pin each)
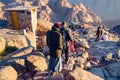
(90, 61)
(103, 64)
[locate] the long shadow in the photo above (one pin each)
(110, 47)
(27, 68)
(3, 23)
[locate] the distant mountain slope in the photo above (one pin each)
(78, 13)
(106, 9)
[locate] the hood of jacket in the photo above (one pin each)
(54, 28)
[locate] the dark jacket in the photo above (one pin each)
(99, 32)
(54, 42)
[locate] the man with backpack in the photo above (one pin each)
(54, 42)
(66, 36)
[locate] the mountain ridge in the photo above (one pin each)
(106, 9)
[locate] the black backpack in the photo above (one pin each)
(65, 35)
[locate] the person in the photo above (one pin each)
(99, 33)
(105, 37)
(66, 36)
(54, 42)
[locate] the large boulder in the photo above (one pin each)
(20, 52)
(2, 45)
(38, 61)
(24, 59)
(8, 73)
(13, 38)
(80, 74)
(17, 59)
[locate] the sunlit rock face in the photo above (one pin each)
(60, 7)
(80, 13)
(1, 11)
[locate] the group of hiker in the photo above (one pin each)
(58, 39)
(60, 42)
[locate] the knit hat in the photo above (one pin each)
(58, 25)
